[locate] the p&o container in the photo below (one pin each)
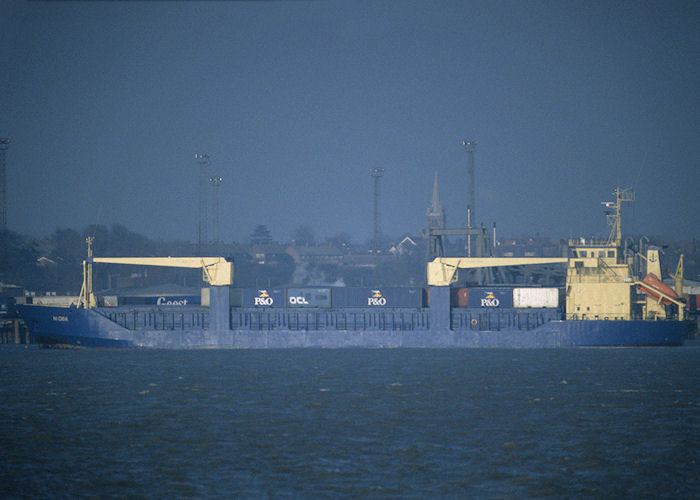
(490, 297)
(263, 297)
(377, 297)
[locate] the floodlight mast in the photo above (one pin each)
(470, 147)
(203, 162)
(376, 174)
(4, 144)
(216, 184)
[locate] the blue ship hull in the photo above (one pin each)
(194, 328)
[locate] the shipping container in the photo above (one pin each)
(377, 297)
(263, 297)
(308, 297)
(56, 300)
(459, 297)
(161, 300)
(490, 297)
(536, 297)
(109, 301)
(178, 300)
(692, 302)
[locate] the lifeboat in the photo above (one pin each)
(651, 285)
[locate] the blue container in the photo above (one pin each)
(308, 297)
(377, 297)
(177, 300)
(161, 300)
(494, 297)
(263, 297)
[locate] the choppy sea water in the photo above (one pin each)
(314, 423)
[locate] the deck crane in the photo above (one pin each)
(216, 271)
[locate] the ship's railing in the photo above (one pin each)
(614, 316)
(158, 319)
(502, 319)
(319, 319)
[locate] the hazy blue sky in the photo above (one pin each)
(106, 103)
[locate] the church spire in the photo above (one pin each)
(435, 215)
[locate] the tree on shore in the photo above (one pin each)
(260, 235)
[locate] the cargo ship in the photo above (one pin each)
(603, 303)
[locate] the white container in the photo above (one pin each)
(110, 301)
(55, 300)
(536, 297)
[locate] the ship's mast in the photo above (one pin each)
(615, 217)
(87, 298)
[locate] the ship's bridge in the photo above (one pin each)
(583, 248)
